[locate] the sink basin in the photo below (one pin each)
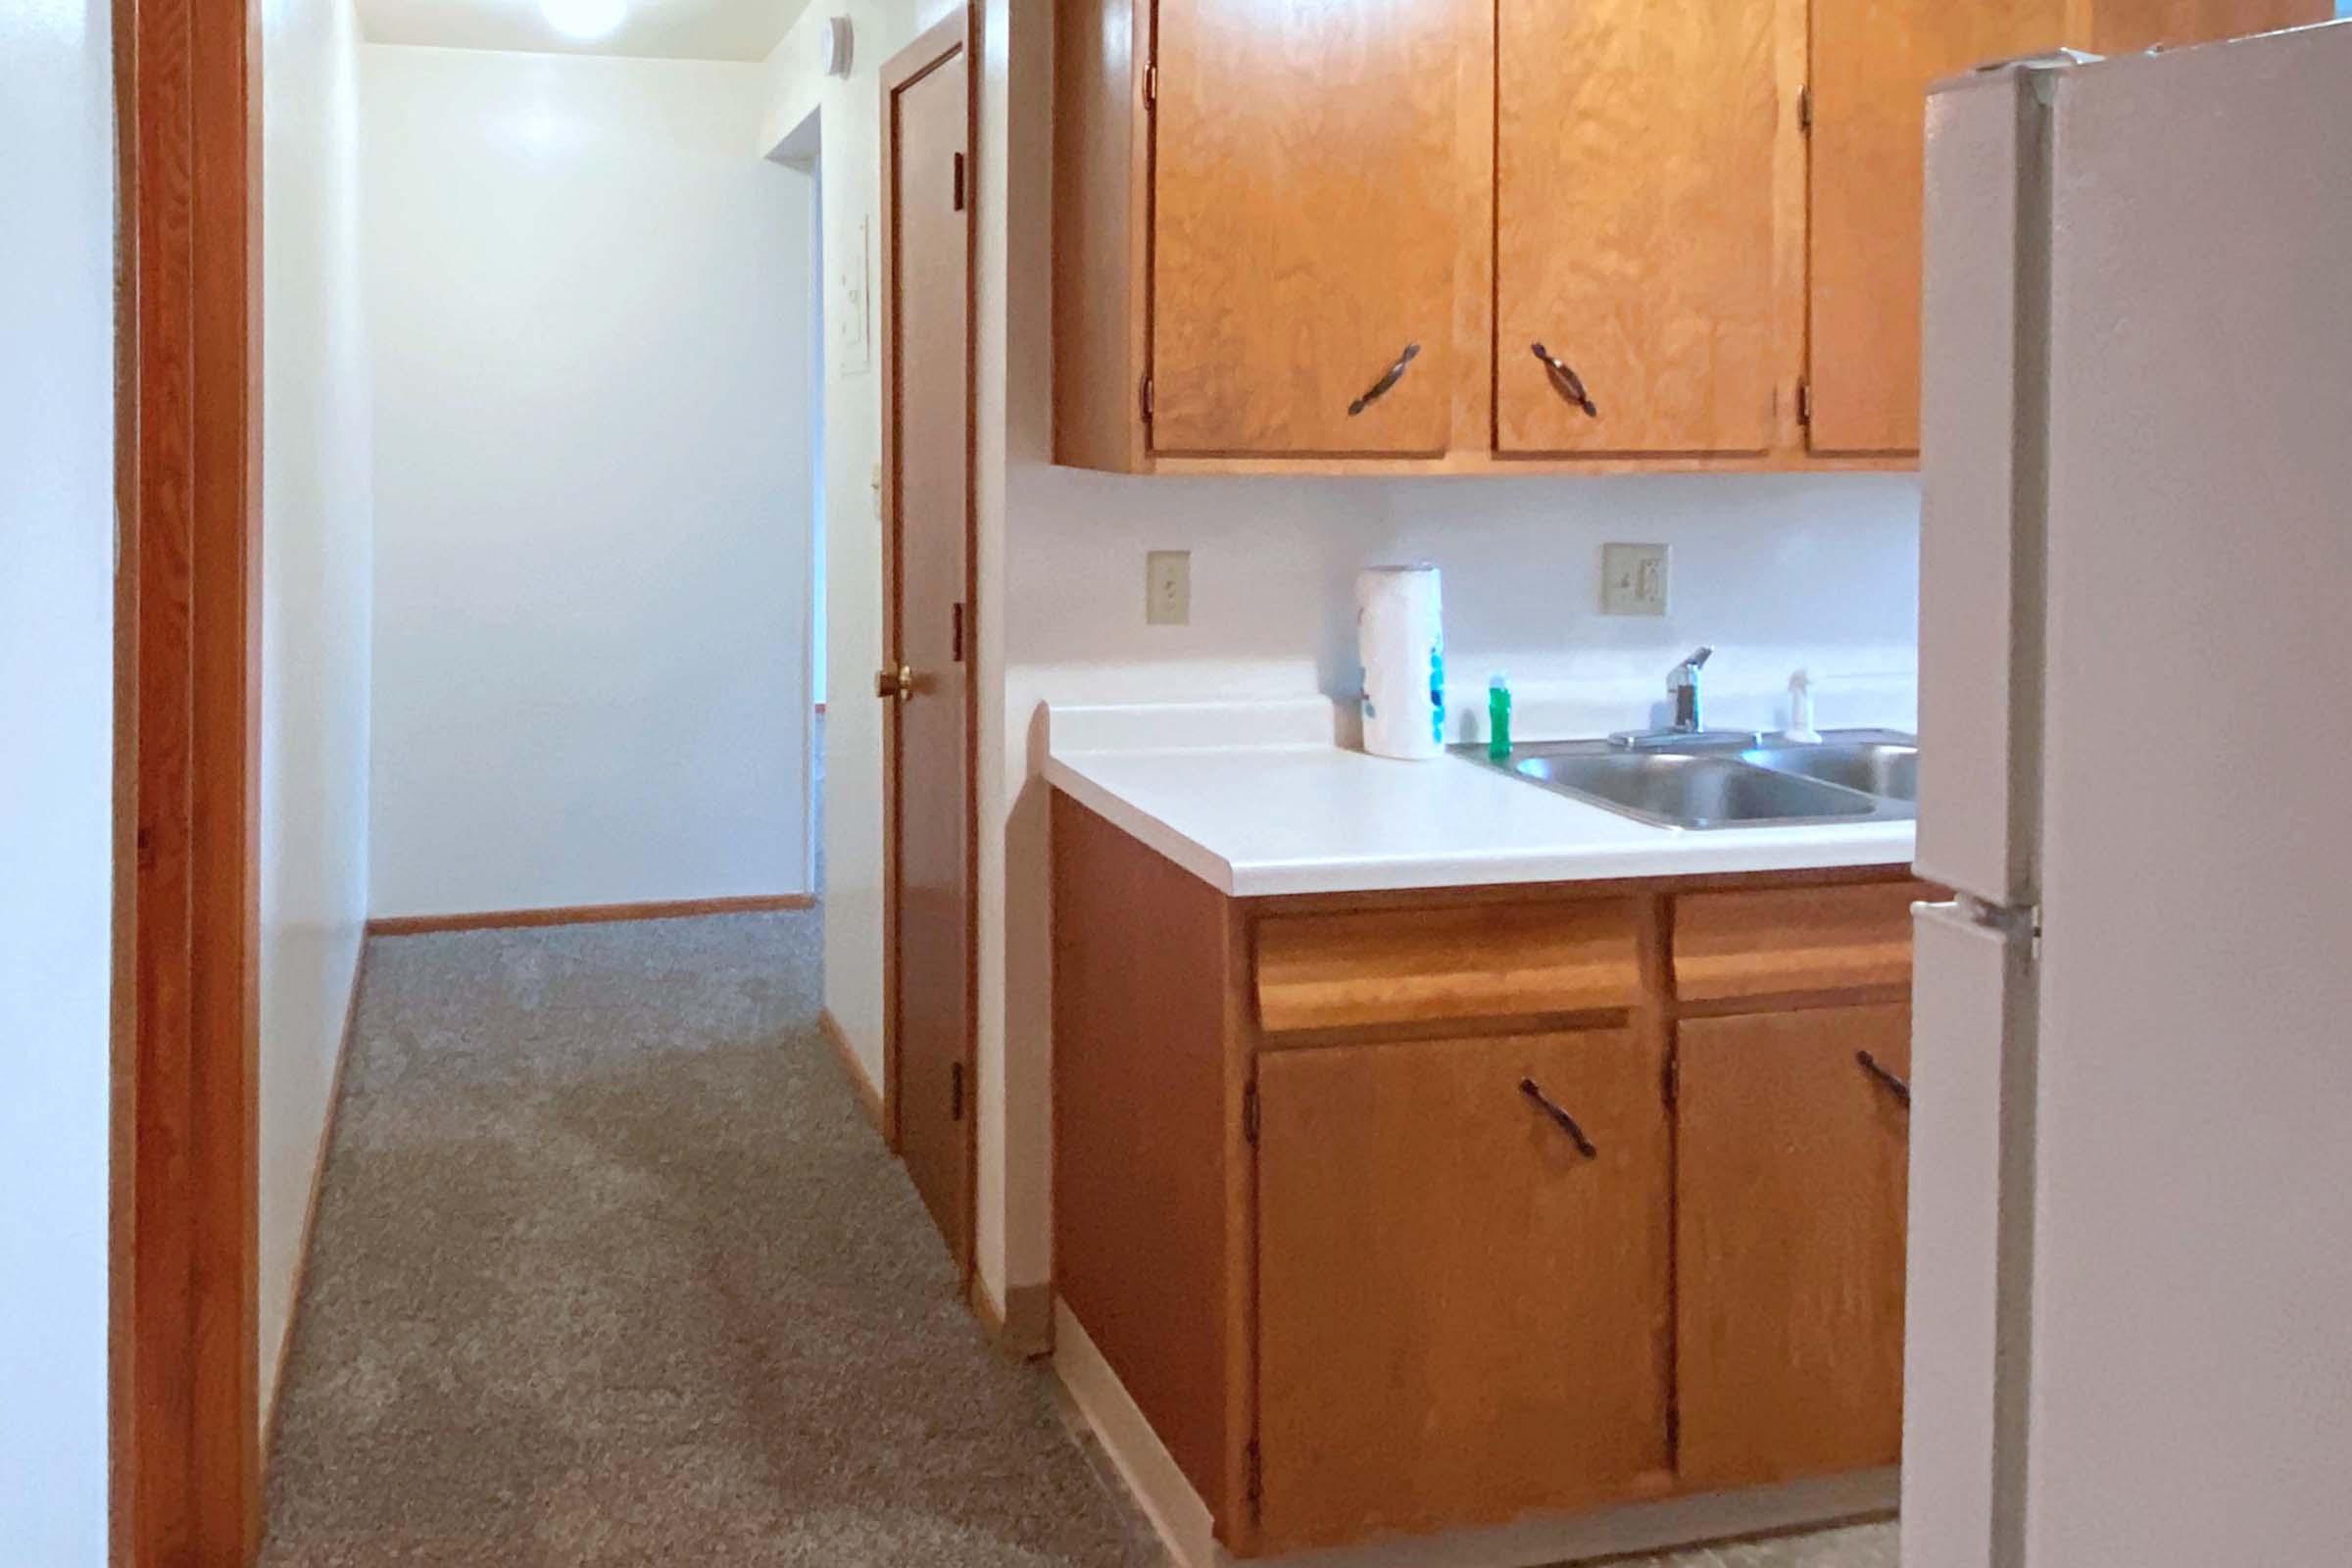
(1678, 791)
(1728, 779)
(1888, 769)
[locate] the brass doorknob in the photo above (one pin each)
(898, 683)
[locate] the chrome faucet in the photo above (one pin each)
(1681, 684)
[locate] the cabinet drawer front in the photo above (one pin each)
(1307, 219)
(1408, 967)
(1635, 190)
(1461, 1316)
(1792, 940)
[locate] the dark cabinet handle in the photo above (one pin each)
(1380, 388)
(1559, 1113)
(1566, 381)
(1900, 1089)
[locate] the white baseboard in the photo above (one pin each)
(1181, 1519)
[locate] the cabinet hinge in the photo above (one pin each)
(958, 631)
(1674, 1432)
(1249, 1115)
(960, 182)
(956, 1092)
(1146, 400)
(1804, 108)
(1674, 1078)
(1804, 402)
(1253, 1474)
(1151, 85)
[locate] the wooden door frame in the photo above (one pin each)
(183, 1418)
(956, 33)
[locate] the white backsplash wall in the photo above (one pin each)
(1779, 572)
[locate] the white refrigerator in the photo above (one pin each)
(2130, 1306)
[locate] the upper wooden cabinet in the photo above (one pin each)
(1305, 224)
(1873, 62)
(1635, 301)
(1330, 233)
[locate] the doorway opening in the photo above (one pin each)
(802, 150)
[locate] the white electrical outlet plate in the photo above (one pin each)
(1168, 588)
(1633, 579)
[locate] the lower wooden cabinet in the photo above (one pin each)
(1789, 1177)
(1391, 1216)
(1464, 1311)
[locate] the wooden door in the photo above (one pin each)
(1635, 199)
(927, 754)
(1873, 63)
(1461, 1315)
(1308, 214)
(1792, 1158)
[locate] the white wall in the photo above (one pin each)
(316, 594)
(589, 316)
(57, 476)
(848, 113)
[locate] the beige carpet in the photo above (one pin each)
(611, 1270)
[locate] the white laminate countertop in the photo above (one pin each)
(1257, 820)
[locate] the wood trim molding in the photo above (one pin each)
(869, 1098)
(310, 1214)
(184, 1459)
(408, 925)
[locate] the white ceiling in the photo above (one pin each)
(673, 29)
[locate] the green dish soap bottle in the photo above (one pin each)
(1499, 716)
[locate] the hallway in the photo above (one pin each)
(611, 1269)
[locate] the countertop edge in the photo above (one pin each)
(1130, 818)
(1671, 854)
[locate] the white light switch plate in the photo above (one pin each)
(1168, 588)
(1633, 579)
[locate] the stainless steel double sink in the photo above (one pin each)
(1738, 780)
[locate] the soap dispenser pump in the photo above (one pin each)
(1800, 710)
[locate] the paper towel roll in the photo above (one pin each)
(1400, 640)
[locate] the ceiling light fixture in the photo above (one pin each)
(584, 19)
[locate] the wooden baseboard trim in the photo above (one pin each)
(869, 1099)
(310, 1215)
(408, 925)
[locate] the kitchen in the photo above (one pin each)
(1633, 851)
(1336, 1036)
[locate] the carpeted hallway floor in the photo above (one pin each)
(609, 1269)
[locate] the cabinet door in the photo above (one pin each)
(1790, 1189)
(1461, 1315)
(1873, 63)
(1309, 209)
(1634, 224)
